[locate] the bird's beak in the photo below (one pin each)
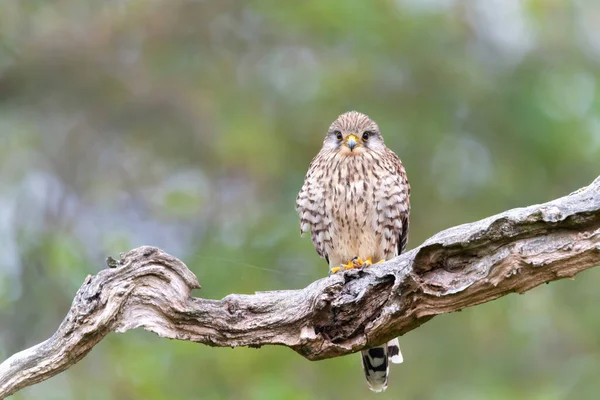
(351, 141)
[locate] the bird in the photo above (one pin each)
(355, 203)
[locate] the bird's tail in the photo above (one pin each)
(376, 361)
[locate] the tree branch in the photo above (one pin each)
(460, 267)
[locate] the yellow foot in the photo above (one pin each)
(355, 263)
(369, 261)
(334, 270)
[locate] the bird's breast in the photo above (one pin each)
(353, 208)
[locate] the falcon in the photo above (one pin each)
(355, 202)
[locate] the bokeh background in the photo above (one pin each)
(189, 125)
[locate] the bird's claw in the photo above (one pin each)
(367, 263)
(355, 263)
(352, 264)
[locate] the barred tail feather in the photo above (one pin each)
(376, 366)
(394, 353)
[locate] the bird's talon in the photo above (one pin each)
(367, 263)
(354, 263)
(357, 262)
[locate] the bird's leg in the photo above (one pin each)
(369, 261)
(355, 263)
(342, 267)
(334, 270)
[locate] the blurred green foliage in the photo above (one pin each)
(189, 125)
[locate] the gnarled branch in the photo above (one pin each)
(460, 267)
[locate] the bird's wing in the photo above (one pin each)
(403, 239)
(404, 205)
(310, 205)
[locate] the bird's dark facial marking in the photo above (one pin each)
(366, 135)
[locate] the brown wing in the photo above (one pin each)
(404, 205)
(403, 239)
(310, 205)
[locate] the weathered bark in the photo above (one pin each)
(460, 267)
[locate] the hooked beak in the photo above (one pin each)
(351, 141)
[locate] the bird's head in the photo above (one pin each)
(352, 134)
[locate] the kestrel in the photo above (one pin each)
(355, 202)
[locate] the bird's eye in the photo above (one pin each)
(338, 135)
(366, 135)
